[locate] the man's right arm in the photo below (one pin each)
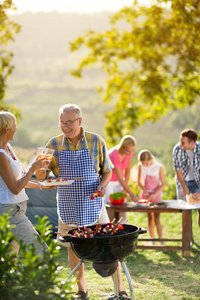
(181, 179)
(177, 168)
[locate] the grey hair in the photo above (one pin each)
(70, 108)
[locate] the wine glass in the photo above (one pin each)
(47, 153)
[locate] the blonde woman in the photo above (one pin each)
(12, 193)
(121, 157)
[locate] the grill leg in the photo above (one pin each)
(129, 279)
(74, 270)
(115, 281)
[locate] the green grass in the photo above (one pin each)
(155, 274)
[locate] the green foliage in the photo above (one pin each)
(40, 87)
(152, 67)
(135, 188)
(30, 276)
(169, 191)
(7, 30)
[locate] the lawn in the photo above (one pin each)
(155, 274)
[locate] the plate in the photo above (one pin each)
(142, 204)
(56, 183)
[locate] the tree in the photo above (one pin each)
(7, 31)
(152, 66)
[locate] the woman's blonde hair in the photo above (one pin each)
(127, 141)
(7, 120)
(145, 155)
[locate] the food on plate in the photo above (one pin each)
(55, 180)
(99, 230)
(142, 201)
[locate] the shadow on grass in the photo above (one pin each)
(149, 267)
(167, 267)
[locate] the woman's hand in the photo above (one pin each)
(39, 163)
(152, 196)
(146, 194)
(134, 198)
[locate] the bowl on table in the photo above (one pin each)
(117, 198)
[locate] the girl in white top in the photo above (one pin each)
(151, 180)
(12, 184)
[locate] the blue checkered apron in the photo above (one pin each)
(74, 203)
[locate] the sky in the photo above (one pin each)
(77, 6)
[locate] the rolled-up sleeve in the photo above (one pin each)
(105, 162)
(177, 159)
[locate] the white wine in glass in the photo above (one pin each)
(47, 153)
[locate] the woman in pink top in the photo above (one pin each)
(151, 180)
(121, 156)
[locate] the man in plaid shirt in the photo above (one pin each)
(186, 159)
(83, 155)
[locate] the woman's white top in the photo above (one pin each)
(6, 196)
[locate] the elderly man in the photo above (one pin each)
(186, 159)
(79, 154)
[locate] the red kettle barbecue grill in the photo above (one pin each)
(104, 251)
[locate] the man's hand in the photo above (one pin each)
(185, 191)
(102, 190)
(196, 196)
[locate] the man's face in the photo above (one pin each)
(185, 144)
(70, 124)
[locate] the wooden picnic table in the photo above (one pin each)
(186, 239)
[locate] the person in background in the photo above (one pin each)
(186, 160)
(121, 157)
(79, 154)
(151, 180)
(13, 199)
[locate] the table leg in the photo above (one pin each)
(186, 232)
(116, 214)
